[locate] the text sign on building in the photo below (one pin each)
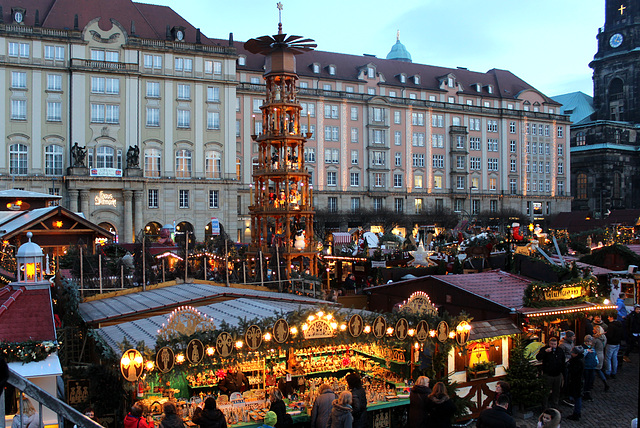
(565, 293)
(105, 172)
(215, 226)
(105, 199)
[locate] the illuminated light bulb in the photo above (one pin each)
(467, 327)
(210, 350)
(239, 344)
(138, 359)
(334, 325)
(452, 335)
(390, 331)
(416, 345)
(311, 318)
(293, 331)
(305, 327)
(411, 332)
(329, 317)
(320, 314)
(180, 358)
(343, 327)
(367, 329)
(125, 360)
(149, 365)
(606, 301)
(267, 337)
(432, 333)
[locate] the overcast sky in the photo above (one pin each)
(547, 43)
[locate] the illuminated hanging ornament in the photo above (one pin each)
(131, 365)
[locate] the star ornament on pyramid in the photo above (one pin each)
(421, 256)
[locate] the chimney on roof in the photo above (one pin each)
(198, 36)
(133, 27)
(168, 33)
(231, 39)
(76, 27)
(37, 19)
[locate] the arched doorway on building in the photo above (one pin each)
(110, 227)
(184, 228)
(152, 231)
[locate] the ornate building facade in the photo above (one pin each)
(605, 164)
(163, 118)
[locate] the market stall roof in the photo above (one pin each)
(596, 270)
(492, 328)
(230, 311)
(26, 314)
(162, 300)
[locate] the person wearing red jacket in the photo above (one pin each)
(134, 418)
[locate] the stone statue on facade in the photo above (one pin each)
(133, 157)
(78, 156)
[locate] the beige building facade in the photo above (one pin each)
(163, 118)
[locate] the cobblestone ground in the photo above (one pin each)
(613, 409)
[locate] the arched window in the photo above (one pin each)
(617, 185)
(53, 160)
(183, 163)
(238, 169)
(213, 164)
(616, 99)
(105, 156)
(152, 162)
(581, 189)
(18, 155)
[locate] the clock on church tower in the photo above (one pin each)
(616, 65)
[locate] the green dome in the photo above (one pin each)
(399, 52)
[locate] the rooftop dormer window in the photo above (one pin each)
(450, 82)
(416, 79)
(332, 70)
(316, 68)
(490, 89)
(242, 60)
(371, 72)
(402, 78)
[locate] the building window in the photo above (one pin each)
(18, 155)
(397, 180)
(354, 157)
(581, 139)
(458, 205)
(152, 163)
(492, 145)
(379, 136)
(560, 149)
(417, 160)
(54, 53)
(184, 118)
(183, 163)
(332, 178)
(474, 163)
(309, 154)
(493, 206)
(513, 186)
(492, 183)
(153, 198)
(378, 158)
(377, 204)
(460, 182)
(512, 127)
(474, 143)
(213, 164)
(492, 164)
(396, 117)
(105, 157)
(54, 82)
(213, 120)
(397, 138)
(512, 146)
(492, 126)
(332, 204)
(183, 64)
(417, 182)
(354, 179)
(560, 132)
(437, 181)
(398, 159)
(475, 206)
(214, 198)
(417, 119)
(418, 139)
(378, 179)
(184, 92)
(438, 161)
(105, 113)
(19, 80)
(213, 94)
(53, 160)
(437, 121)
(560, 168)
(355, 205)
(18, 49)
(54, 111)
(153, 117)
(419, 205)
(183, 199)
(513, 165)
(474, 124)
(354, 135)
(153, 89)
(581, 188)
(19, 109)
(398, 205)
(331, 156)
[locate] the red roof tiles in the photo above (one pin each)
(26, 314)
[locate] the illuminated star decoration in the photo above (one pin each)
(420, 256)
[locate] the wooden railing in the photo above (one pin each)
(44, 399)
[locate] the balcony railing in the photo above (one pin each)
(103, 65)
(44, 399)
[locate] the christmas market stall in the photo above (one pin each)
(194, 352)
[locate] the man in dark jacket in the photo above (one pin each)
(210, 416)
(359, 400)
(496, 417)
(614, 337)
(553, 361)
(575, 382)
(322, 406)
(633, 330)
(234, 381)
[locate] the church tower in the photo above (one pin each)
(616, 65)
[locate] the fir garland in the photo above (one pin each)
(27, 352)
(534, 293)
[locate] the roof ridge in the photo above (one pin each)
(5, 306)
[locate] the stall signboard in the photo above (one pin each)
(402, 327)
(356, 325)
(281, 331)
(422, 331)
(379, 327)
(418, 303)
(195, 351)
(319, 329)
(131, 365)
(565, 293)
(224, 344)
(478, 353)
(443, 331)
(253, 337)
(165, 359)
